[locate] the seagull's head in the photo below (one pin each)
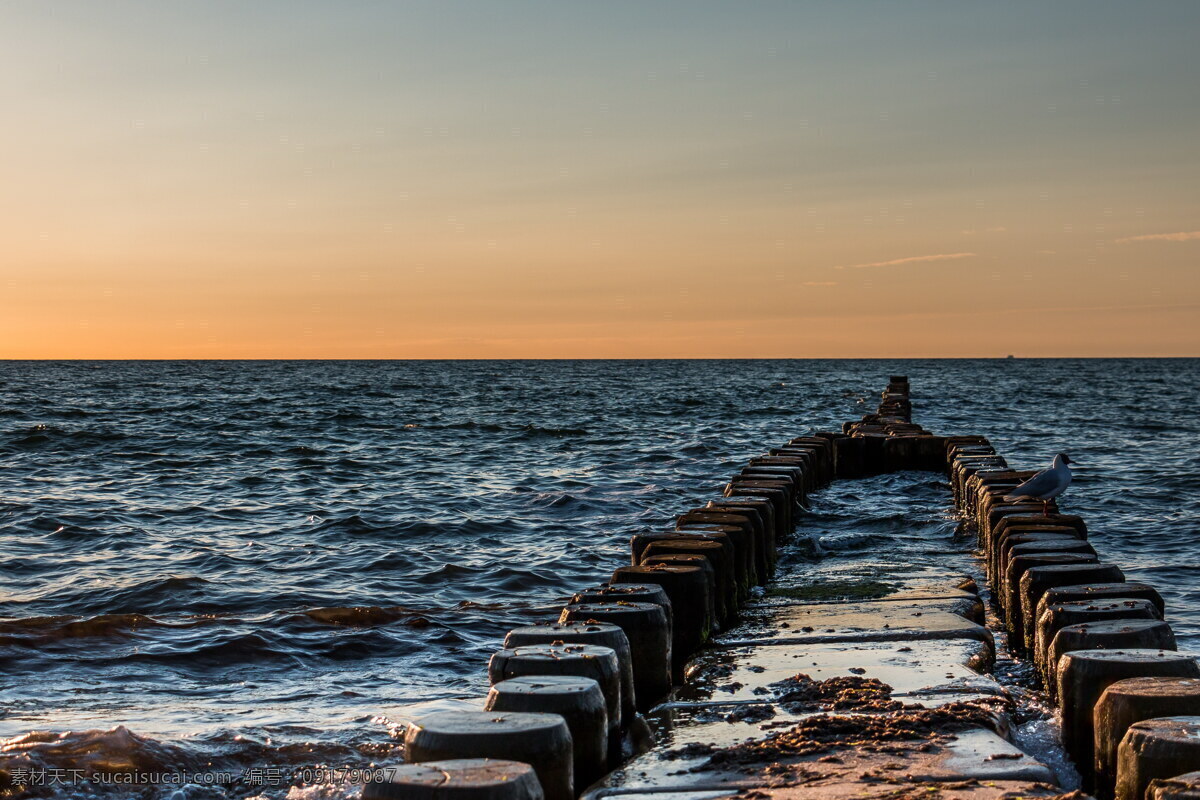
(1063, 458)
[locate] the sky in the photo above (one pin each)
(555, 179)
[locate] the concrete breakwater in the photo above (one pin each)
(761, 681)
(1100, 645)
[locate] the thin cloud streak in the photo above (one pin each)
(1182, 236)
(895, 262)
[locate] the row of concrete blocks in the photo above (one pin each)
(887, 441)
(895, 401)
(1130, 703)
(566, 695)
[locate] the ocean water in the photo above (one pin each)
(244, 567)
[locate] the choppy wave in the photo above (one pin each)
(100, 763)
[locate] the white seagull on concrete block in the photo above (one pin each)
(1046, 485)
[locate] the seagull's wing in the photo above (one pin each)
(1064, 480)
(1045, 484)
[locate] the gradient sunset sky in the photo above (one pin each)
(617, 179)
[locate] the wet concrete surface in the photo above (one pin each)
(736, 724)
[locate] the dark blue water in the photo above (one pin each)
(275, 563)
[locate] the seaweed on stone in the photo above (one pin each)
(823, 733)
(800, 694)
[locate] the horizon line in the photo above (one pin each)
(8, 360)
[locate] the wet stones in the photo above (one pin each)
(900, 453)
(578, 701)
(542, 741)
(998, 558)
(801, 464)
(736, 551)
(1113, 634)
(1133, 700)
(742, 519)
(790, 474)
(1181, 787)
(762, 509)
(649, 632)
(780, 493)
(1101, 591)
(1083, 624)
(1011, 518)
(683, 585)
(1011, 587)
(457, 779)
(1156, 748)
(741, 540)
(578, 660)
(757, 514)
(690, 592)
(929, 453)
(710, 578)
(850, 457)
(626, 592)
(965, 463)
(1083, 676)
(820, 447)
(1049, 545)
(719, 555)
(602, 634)
(1039, 579)
(1039, 520)
(1061, 615)
(870, 439)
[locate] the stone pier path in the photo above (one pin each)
(863, 672)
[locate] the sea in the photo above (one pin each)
(225, 575)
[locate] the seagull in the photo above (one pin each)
(1047, 484)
